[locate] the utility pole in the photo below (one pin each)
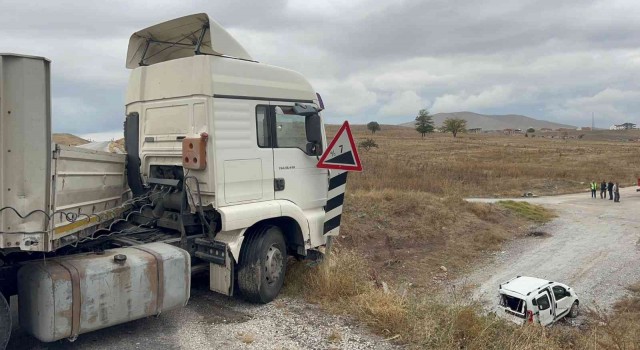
(593, 122)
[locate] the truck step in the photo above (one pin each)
(211, 251)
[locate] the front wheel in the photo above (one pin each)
(262, 265)
(5, 322)
(575, 310)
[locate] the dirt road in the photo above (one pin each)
(593, 246)
(212, 321)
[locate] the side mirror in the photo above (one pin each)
(313, 126)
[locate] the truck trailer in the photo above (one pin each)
(219, 176)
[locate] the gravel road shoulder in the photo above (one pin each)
(213, 321)
(593, 246)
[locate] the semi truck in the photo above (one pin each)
(219, 176)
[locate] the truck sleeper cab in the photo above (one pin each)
(529, 299)
(252, 176)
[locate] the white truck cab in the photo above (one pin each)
(239, 138)
(529, 299)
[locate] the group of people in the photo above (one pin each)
(611, 187)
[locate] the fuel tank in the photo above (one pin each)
(64, 297)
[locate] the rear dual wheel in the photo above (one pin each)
(5, 322)
(263, 264)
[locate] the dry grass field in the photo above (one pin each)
(494, 165)
(407, 232)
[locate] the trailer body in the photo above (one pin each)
(59, 190)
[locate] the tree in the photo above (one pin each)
(454, 126)
(424, 122)
(531, 130)
(368, 144)
(373, 127)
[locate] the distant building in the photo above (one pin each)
(546, 129)
(623, 126)
(564, 129)
(508, 131)
(584, 128)
(475, 130)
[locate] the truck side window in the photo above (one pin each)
(290, 129)
(262, 126)
(543, 302)
(559, 292)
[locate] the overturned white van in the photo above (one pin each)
(529, 299)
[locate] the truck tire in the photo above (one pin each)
(575, 310)
(263, 263)
(5, 322)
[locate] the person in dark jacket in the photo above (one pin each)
(610, 189)
(603, 189)
(616, 193)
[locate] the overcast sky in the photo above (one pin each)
(369, 59)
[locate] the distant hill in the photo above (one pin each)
(495, 122)
(68, 139)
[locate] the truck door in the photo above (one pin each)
(545, 308)
(297, 179)
(563, 300)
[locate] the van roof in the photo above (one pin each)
(524, 285)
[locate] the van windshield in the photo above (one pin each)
(516, 306)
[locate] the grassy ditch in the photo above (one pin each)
(343, 285)
(535, 213)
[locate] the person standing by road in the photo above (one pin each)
(603, 189)
(610, 189)
(594, 187)
(616, 193)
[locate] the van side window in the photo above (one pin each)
(262, 126)
(290, 129)
(559, 292)
(543, 302)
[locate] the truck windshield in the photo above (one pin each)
(516, 305)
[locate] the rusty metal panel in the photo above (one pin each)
(64, 297)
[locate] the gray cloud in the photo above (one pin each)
(369, 59)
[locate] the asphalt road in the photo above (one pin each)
(593, 246)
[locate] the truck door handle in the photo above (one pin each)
(278, 184)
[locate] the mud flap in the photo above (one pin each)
(221, 277)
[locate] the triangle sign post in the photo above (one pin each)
(341, 153)
(341, 157)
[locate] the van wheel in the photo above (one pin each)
(575, 310)
(263, 263)
(5, 322)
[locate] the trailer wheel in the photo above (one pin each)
(263, 263)
(5, 322)
(575, 310)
